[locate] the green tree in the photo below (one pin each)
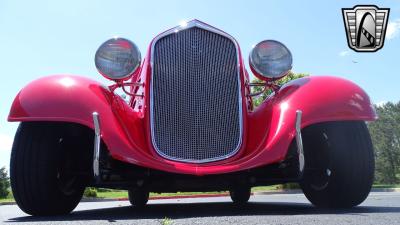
(4, 183)
(90, 192)
(385, 135)
(259, 99)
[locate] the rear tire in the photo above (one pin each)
(138, 197)
(340, 164)
(240, 195)
(39, 180)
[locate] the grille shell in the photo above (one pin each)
(195, 98)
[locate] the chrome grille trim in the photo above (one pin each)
(206, 27)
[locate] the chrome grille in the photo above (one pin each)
(195, 96)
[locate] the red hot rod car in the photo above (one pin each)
(189, 125)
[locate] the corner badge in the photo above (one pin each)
(365, 27)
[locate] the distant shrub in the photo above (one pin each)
(104, 190)
(4, 183)
(290, 186)
(90, 192)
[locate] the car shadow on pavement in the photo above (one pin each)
(190, 210)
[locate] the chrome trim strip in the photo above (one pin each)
(190, 24)
(299, 140)
(96, 150)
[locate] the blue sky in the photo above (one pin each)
(39, 38)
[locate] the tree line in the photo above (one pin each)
(385, 135)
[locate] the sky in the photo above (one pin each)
(40, 38)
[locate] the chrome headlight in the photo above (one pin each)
(117, 59)
(270, 60)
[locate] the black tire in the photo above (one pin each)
(240, 195)
(138, 197)
(340, 164)
(38, 180)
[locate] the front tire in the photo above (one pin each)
(138, 197)
(240, 195)
(39, 180)
(340, 164)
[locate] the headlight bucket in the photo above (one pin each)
(270, 60)
(117, 59)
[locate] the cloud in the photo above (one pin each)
(381, 103)
(393, 29)
(6, 142)
(344, 53)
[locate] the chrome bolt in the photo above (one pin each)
(328, 172)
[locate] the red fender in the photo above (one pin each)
(74, 99)
(270, 127)
(320, 98)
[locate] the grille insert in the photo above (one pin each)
(195, 96)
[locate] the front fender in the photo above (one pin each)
(65, 98)
(60, 98)
(320, 98)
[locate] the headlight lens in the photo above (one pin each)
(117, 58)
(270, 60)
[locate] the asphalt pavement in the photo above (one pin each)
(380, 208)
